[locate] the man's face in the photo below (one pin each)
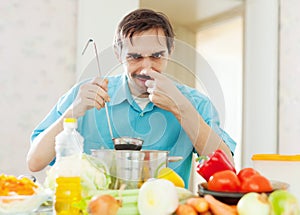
(146, 51)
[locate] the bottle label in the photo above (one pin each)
(67, 194)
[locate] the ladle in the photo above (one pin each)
(98, 65)
(120, 143)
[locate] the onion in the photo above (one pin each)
(254, 203)
(158, 196)
(103, 205)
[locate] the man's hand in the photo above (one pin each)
(163, 92)
(90, 95)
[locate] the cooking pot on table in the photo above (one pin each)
(133, 167)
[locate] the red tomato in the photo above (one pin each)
(224, 181)
(256, 183)
(246, 173)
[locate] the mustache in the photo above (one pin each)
(146, 77)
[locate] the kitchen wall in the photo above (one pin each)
(260, 79)
(289, 78)
(221, 44)
(271, 78)
(40, 56)
(37, 65)
(98, 19)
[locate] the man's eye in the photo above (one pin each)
(156, 55)
(135, 56)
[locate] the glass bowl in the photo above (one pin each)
(23, 204)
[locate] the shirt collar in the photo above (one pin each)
(121, 92)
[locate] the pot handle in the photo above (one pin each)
(174, 158)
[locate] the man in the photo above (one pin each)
(142, 102)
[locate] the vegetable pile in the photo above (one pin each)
(160, 196)
(166, 195)
(221, 175)
(156, 196)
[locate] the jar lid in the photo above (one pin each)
(276, 157)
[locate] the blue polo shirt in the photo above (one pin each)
(159, 128)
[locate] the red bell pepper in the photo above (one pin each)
(215, 162)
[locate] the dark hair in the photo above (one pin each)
(142, 20)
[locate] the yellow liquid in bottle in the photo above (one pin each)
(68, 192)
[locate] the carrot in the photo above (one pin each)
(185, 209)
(206, 213)
(198, 203)
(219, 208)
(233, 206)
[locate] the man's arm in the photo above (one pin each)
(42, 150)
(164, 94)
(203, 137)
(90, 95)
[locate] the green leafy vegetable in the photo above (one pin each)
(94, 176)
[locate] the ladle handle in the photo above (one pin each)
(98, 66)
(108, 122)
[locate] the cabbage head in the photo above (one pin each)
(93, 173)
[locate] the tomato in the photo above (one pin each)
(224, 181)
(246, 173)
(256, 183)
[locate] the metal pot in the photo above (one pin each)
(133, 167)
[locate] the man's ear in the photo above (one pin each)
(172, 49)
(117, 51)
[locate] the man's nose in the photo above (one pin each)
(146, 63)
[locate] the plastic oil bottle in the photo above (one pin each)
(68, 148)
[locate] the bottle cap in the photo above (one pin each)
(70, 123)
(70, 120)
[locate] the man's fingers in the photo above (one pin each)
(150, 83)
(151, 98)
(100, 92)
(149, 72)
(103, 83)
(95, 103)
(150, 90)
(99, 104)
